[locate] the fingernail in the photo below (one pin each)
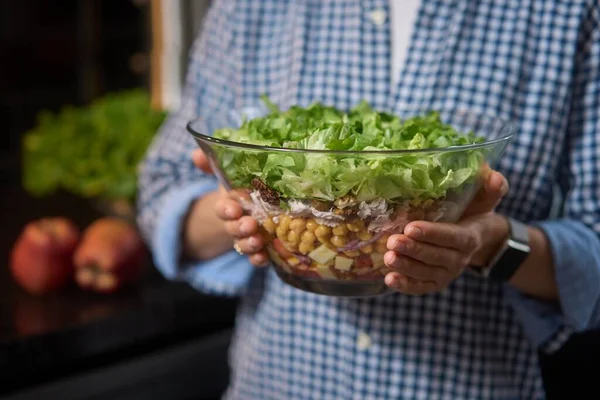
(253, 242)
(230, 212)
(389, 258)
(245, 228)
(415, 232)
(399, 246)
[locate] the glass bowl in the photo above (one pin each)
(335, 247)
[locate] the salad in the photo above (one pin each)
(327, 212)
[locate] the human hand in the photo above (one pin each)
(242, 228)
(428, 256)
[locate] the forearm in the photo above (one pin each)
(204, 234)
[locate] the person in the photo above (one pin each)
(444, 333)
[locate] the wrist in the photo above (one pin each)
(204, 235)
(494, 233)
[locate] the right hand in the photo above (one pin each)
(242, 228)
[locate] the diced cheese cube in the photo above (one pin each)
(325, 272)
(322, 254)
(343, 263)
(377, 259)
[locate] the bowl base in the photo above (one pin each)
(332, 287)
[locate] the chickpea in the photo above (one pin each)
(355, 226)
(284, 222)
(323, 240)
(381, 248)
(364, 234)
(281, 233)
(368, 249)
(323, 231)
(352, 253)
(293, 237)
(305, 248)
(269, 225)
(298, 225)
(308, 237)
(383, 239)
(291, 246)
(339, 241)
(311, 225)
(340, 230)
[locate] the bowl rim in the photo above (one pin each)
(507, 125)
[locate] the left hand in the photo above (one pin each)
(428, 256)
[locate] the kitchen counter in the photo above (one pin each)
(47, 339)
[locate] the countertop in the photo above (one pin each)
(43, 339)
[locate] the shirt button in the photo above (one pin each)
(363, 341)
(378, 16)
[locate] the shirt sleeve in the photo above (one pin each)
(574, 239)
(169, 182)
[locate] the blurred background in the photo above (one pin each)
(84, 84)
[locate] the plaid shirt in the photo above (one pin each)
(536, 62)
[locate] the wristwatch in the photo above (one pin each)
(510, 256)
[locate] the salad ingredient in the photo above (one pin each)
(365, 177)
(322, 254)
(325, 272)
(343, 263)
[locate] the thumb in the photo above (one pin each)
(201, 161)
(494, 188)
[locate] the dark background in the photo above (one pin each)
(158, 339)
(154, 340)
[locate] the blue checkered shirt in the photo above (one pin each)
(535, 62)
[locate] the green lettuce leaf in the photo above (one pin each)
(367, 176)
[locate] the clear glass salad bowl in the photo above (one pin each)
(326, 214)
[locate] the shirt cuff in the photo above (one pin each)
(227, 274)
(576, 254)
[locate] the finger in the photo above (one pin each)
(409, 285)
(239, 195)
(228, 209)
(201, 161)
(443, 234)
(416, 269)
(494, 188)
(250, 245)
(450, 259)
(243, 227)
(259, 259)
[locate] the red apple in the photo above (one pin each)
(111, 254)
(41, 259)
